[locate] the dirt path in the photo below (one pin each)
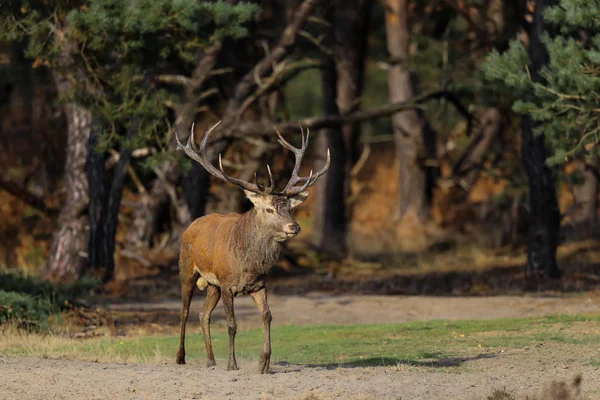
(319, 308)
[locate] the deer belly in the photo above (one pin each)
(206, 278)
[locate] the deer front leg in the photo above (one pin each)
(231, 327)
(260, 299)
(213, 294)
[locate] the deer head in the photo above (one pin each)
(273, 209)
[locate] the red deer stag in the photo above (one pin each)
(230, 255)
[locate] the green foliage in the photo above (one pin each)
(566, 100)
(115, 45)
(29, 301)
(57, 293)
(24, 309)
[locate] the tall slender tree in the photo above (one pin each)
(414, 137)
(342, 86)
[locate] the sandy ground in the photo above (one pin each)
(524, 371)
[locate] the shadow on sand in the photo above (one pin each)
(430, 361)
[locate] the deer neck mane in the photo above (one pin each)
(256, 249)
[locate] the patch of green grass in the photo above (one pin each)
(430, 344)
(595, 363)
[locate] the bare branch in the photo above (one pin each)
(167, 79)
(137, 153)
(277, 79)
(317, 42)
(26, 196)
(246, 128)
(287, 42)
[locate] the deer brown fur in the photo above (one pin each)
(230, 255)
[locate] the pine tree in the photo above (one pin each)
(566, 98)
(554, 85)
(121, 67)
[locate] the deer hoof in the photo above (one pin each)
(232, 366)
(211, 363)
(263, 366)
(180, 357)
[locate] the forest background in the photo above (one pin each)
(463, 137)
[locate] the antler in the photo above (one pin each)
(199, 155)
(291, 189)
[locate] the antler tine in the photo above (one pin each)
(271, 180)
(189, 149)
(298, 154)
(260, 186)
(291, 189)
(269, 189)
(284, 143)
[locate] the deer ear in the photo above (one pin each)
(299, 198)
(255, 198)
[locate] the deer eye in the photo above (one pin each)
(269, 210)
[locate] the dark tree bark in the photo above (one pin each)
(329, 212)
(110, 214)
(350, 33)
(342, 83)
(544, 213)
(95, 171)
(415, 139)
(104, 205)
(195, 197)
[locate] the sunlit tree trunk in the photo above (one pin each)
(68, 242)
(414, 138)
(67, 254)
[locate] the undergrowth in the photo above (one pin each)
(28, 301)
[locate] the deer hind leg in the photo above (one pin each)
(188, 280)
(260, 299)
(213, 294)
(231, 327)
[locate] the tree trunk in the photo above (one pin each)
(329, 211)
(544, 213)
(415, 139)
(586, 197)
(95, 172)
(110, 214)
(66, 258)
(350, 26)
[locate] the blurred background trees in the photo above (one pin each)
(450, 124)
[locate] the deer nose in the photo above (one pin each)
(294, 228)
